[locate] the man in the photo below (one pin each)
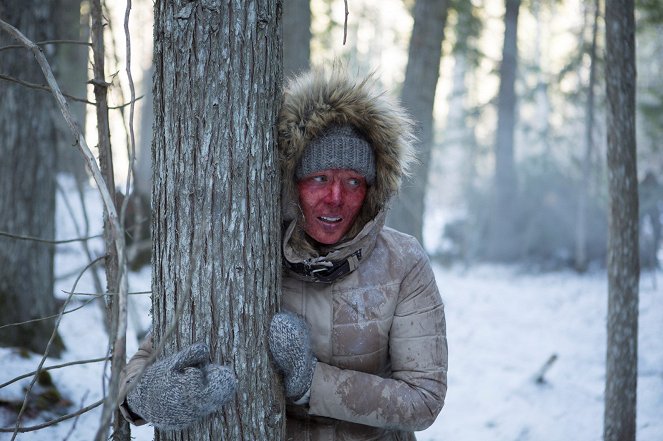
(362, 344)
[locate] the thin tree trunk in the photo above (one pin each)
(27, 180)
(583, 192)
(623, 255)
(216, 227)
(501, 245)
(70, 68)
(103, 129)
(121, 430)
(296, 36)
(418, 96)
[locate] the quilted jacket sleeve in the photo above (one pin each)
(414, 394)
(135, 365)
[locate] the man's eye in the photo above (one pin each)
(320, 178)
(354, 182)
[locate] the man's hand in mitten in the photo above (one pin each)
(180, 389)
(290, 344)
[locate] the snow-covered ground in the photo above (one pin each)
(503, 324)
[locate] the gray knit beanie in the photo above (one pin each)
(338, 147)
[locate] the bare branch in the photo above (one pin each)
(64, 312)
(55, 366)
(52, 422)
(45, 42)
(96, 294)
(41, 319)
(76, 271)
(345, 24)
(73, 426)
(71, 97)
(52, 242)
(41, 87)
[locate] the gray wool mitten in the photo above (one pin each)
(290, 344)
(182, 388)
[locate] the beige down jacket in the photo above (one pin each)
(380, 338)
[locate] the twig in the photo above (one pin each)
(45, 42)
(41, 87)
(48, 317)
(96, 294)
(74, 272)
(539, 377)
(345, 24)
(73, 426)
(52, 242)
(71, 97)
(55, 366)
(132, 144)
(52, 422)
(65, 312)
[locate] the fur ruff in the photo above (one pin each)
(319, 98)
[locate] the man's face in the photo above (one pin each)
(331, 200)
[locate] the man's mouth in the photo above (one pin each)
(331, 219)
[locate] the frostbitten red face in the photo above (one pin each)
(331, 200)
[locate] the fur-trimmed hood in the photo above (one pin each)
(317, 99)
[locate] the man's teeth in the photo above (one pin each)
(330, 219)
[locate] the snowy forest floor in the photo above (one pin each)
(503, 324)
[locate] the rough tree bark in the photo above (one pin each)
(216, 223)
(418, 96)
(500, 244)
(623, 255)
(27, 180)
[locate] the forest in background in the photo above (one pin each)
(559, 133)
(554, 189)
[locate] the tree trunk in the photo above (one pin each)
(623, 256)
(501, 246)
(418, 96)
(296, 36)
(216, 227)
(27, 179)
(70, 68)
(581, 259)
(143, 167)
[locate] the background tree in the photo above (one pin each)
(500, 244)
(418, 97)
(623, 256)
(27, 179)
(70, 67)
(581, 255)
(296, 36)
(216, 217)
